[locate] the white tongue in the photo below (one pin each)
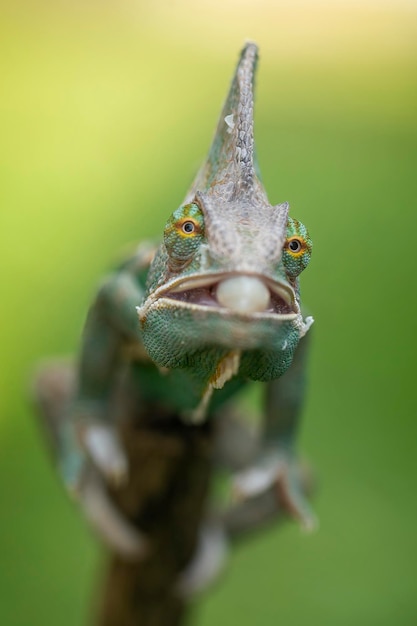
(243, 294)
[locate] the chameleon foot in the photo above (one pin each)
(207, 563)
(105, 450)
(113, 528)
(277, 472)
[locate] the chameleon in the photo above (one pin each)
(179, 329)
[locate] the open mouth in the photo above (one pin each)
(236, 293)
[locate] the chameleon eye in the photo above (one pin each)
(188, 228)
(295, 245)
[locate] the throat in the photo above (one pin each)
(227, 367)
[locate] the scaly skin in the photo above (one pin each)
(188, 324)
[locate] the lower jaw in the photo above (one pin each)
(183, 337)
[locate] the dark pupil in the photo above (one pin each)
(188, 227)
(294, 246)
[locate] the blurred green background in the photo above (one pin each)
(107, 110)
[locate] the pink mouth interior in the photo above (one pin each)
(206, 296)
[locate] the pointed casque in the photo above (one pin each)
(230, 167)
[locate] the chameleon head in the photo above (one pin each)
(203, 302)
(226, 276)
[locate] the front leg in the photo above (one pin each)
(277, 468)
(90, 428)
(53, 393)
(267, 481)
(78, 412)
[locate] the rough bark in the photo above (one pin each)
(165, 498)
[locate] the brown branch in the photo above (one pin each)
(169, 474)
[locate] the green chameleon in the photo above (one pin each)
(178, 330)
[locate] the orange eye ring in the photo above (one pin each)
(296, 246)
(188, 227)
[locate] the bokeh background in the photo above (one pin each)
(108, 107)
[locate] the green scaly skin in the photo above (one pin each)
(187, 349)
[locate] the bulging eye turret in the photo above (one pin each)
(183, 234)
(297, 248)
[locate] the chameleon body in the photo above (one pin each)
(186, 325)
